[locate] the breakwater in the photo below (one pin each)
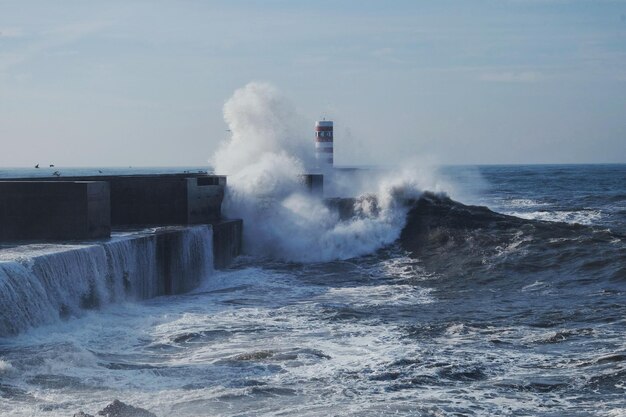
(77, 243)
(42, 283)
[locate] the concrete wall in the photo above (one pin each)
(43, 283)
(204, 200)
(344, 206)
(181, 263)
(314, 183)
(160, 200)
(169, 199)
(61, 210)
(227, 241)
(148, 201)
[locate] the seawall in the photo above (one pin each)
(66, 244)
(41, 283)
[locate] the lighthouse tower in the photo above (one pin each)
(324, 143)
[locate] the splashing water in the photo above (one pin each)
(268, 151)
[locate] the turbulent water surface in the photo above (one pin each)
(473, 313)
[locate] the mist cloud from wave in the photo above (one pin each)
(270, 147)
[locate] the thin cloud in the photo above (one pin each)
(388, 55)
(513, 77)
(52, 39)
(11, 33)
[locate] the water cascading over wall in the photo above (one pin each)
(46, 287)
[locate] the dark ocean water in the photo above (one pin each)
(586, 194)
(480, 314)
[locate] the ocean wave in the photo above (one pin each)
(522, 203)
(453, 239)
(585, 216)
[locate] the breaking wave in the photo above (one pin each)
(268, 152)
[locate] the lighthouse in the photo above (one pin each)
(324, 143)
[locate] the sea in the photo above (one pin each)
(514, 310)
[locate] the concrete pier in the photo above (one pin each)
(227, 241)
(314, 183)
(344, 206)
(79, 208)
(43, 282)
(142, 200)
(34, 210)
(165, 200)
(81, 242)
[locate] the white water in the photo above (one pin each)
(268, 150)
(42, 284)
(211, 352)
(258, 341)
(132, 265)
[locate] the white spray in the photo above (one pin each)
(269, 148)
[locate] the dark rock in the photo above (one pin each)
(81, 414)
(119, 409)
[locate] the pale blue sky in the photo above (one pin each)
(143, 82)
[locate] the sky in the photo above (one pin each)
(143, 83)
